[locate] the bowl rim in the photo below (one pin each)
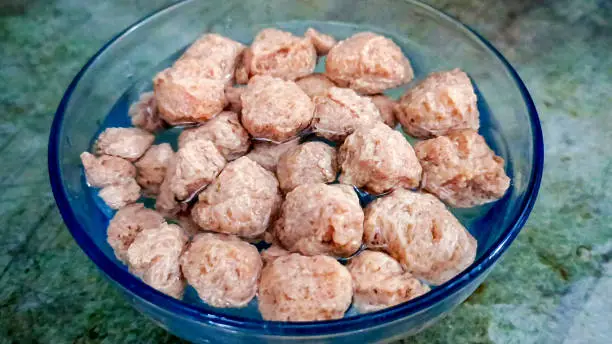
(354, 323)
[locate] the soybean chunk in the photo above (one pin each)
(144, 113)
(322, 42)
(299, 288)
(310, 162)
(185, 93)
(267, 154)
(216, 55)
(126, 143)
(368, 63)
(117, 196)
(321, 219)
(461, 169)
(340, 112)
(223, 269)
(417, 230)
(242, 200)
(315, 84)
(224, 131)
(106, 169)
(274, 109)
(379, 159)
(152, 167)
(441, 103)
(387, 108)
(196, 165)
(154, 257)
(127, 223)
(280, 54)
(379, 281)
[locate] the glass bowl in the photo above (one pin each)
(112, 79)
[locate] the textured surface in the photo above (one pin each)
(553, 285)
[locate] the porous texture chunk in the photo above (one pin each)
(165, 202)
(273, 252)
(321, 219)
(322, 42)
(223, 269)
(280, 54)
(387, 108)
(368, 63)
(154, 257)
(315, 84)
(417, 230)
(274, 109)
(196, 165)
(299, 288)
(308, 163)
(127, 223)
(340, 112)
(119, 195)
(152, 168)
(241, 75)
(379, 159)
(267, 153)
(126, 143)
(441, 103)
(185, 93)
(379, 281)
(144, 113)
(224, 131)
(233, 95)
(216, 55)
(106, 169)
(461, 169)
(242, 200)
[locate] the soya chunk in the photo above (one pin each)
(106, 169)
(126, 143)
(152, 167)
(368, 63)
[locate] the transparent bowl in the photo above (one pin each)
(101, 92)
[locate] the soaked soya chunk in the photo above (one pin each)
(216, 55)
(127, 223)
(315, 84)
(224, 131)
(126, 143)
(310, 162)
(144, 113)
(417, 230)
(223, 269)
(379, 281)
(195, 166)
(378, 159)
(322, 42)
(117, 196)
(242, 200)
(267, 154)
(152, 168)
(320, 219)
(186, 94)
(441, 103)
(273, 252)
(154, 257)
(461, 169)
(280, 54)
(387, 108)
(368, 63)
(300, 288)
(233, 95)
(106, 170)
(340, 112)
(165, 202)
(274, 109)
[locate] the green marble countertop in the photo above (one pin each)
(554, 285)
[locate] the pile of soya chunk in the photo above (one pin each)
(244, 173)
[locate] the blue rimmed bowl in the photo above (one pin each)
(112, 79)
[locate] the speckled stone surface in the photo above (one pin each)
(554, 285)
